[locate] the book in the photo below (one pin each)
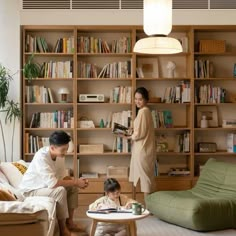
(121, 129)
(50, 95)
(110, 210)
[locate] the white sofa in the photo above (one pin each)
(26, 216)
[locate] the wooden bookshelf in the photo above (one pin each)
(184, 114)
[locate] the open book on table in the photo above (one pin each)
(110, 210)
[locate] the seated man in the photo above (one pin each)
(42, 179)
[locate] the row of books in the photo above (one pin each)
(202, 68)
(121, 145)
(162, 119)
(57, 69)
(177, 94)
(39, 44)
(34, 142)
(121, 69)
(56, 119)
(65, 45)
(38, 94)
(35, 44)
(182, 142)
(231, 142)
(92, 44)
(87, 70)
(121, 94)
(124, 118)
(209, 94)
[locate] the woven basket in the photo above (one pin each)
(208, 45)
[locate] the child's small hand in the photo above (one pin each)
(128, 205)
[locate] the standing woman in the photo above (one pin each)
(143, 145)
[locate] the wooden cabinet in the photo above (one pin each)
(98, 60)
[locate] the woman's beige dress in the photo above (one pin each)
(143, 151)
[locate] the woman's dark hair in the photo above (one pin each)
(59, 138)
(111, 185)
(143, 91)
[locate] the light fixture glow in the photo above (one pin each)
(157, 18)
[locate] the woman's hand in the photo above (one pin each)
(124, 136)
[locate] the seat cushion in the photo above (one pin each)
(210, 205)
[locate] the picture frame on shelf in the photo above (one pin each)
(211, 114)
(149, 67)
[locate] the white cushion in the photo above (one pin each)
(14, 171)
(3, 178)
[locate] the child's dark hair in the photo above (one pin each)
(111, 185)
(143, 91)
(59, 138)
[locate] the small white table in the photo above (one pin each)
(120, 218)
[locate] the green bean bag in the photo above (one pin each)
(210, 205)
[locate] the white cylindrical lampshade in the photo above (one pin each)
(63, 91)
(157, 17)
(158, 45)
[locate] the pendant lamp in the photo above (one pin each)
(157, 17)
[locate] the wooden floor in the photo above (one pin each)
(152, 226)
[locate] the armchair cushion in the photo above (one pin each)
(210, 205)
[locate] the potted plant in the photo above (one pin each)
(30, 69)
(9, 107)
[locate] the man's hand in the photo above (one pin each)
(82, 182)
(67, 178)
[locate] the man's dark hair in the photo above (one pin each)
(111, 185)
(59, 138)
(143, 91)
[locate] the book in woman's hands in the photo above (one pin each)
(121, 129)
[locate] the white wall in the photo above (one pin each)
(123, 17)
(10, 58)
(11, 17)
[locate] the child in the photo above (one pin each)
(112, 199)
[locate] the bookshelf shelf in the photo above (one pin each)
(214, 104)
(216, 129)
(163, 79)
(104, 79)
(48, 129)
(168, 104)
(217, 153)
(105, 154)
(50, 54)
(173, 129)
(94, 129)
(50, 79)
(215, 54)
(32, 154)
(215, 79)
(166, 177)
(49, 104)
(103, 104)
(104, 54)
(171, 153)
